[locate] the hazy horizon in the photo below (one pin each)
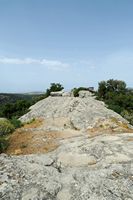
(73, 42)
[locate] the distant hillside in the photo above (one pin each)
(16, 105)
(13, 97)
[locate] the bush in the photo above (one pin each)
(6, 127)
(3, 144)
(76, 91)
(16, 123)
(128, 115)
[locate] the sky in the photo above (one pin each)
(73, 42)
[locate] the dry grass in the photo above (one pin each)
(99, 131)
(27, 141)
(35, 142)
(32, 142)
(109, 126)
(123, 125)
(34, 123)
(24, 141)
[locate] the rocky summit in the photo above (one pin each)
(73, 148)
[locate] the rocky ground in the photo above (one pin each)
(72, 112)
(77, 149)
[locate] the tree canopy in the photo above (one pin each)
(111, 86)
(118, 98)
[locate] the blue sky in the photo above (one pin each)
(74, 42)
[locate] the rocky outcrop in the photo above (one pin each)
(61, 94)
(85, 94)
(56, 94)
(82, 151)
(74, 112)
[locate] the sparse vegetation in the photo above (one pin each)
(3, 143)
(16, 122)
(33, 123)
(6, 127)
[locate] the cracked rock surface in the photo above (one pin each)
(84, 166)
(99, 168)
(71, 112)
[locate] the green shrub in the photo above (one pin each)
(16, 123)
(3, 144)
(6, 127)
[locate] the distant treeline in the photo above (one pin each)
(12, 98)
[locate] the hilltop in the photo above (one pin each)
(77, 113)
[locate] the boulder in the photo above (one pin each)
(56, 94)
(85, 94)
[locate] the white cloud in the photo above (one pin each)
(52, 64)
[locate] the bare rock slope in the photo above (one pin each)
(85, 165)
(71, 112)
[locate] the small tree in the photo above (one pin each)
(54, 87)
